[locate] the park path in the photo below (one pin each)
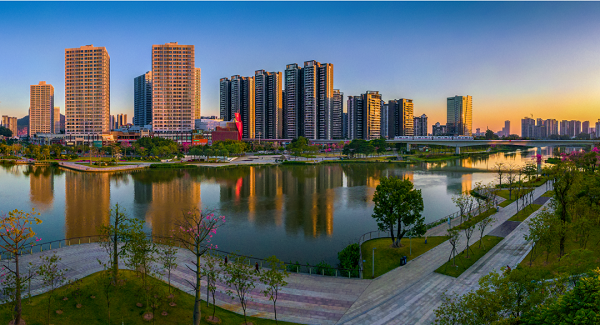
(84, 168)
(307, 299)
(410, 294)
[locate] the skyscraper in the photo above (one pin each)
(400, 117)
(225, 99)
(268, 104)
(173, 87)
(10, 123)
(87, 93)
(385, 120)
(585, 127)
(459, 115)
(337, 112)
(198, 97)
(371, 101)
(242, 101)
(527, 128)
(142, 99)
(551, 127)
(420, 125)
(506, 129)
(294, 126)
(56, 122)
(41, 108)
(354, 106)
(564, 127)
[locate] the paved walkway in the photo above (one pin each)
(410, 294)
(85, 168)
(307, 299)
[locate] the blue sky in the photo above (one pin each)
(514, 58)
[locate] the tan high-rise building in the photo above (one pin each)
(10, 123)
(197, 99)
(87, 93)
(173, 87)
(372, 115)
(460, 115)
(41, 108)
(56, 125)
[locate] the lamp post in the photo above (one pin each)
(373, 262)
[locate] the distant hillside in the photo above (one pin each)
(23, 122)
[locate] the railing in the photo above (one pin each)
(323, 270)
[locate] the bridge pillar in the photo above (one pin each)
(457, 150)
(539, 159)
(408, 147)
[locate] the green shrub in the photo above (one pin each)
(325, 269)
(348, 259)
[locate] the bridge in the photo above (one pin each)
(471, 143)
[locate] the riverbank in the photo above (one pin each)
(119, 168)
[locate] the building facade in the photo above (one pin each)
(400, 119)
(41, 108)
(459, 115)
(268, 104)
(438, 129)
(337, 115)
(371, 115)
(56, 128)
(242, 102)
(527, 128)
(585, 127)
(198, 94)
(420, 125)
(173, 87)
(142, 99)
(87, 93)
(354, 105)
(10, 123)
(293, 102)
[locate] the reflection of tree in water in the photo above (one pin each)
(158, 176)
(119, 178)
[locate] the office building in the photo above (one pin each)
(10, 123)
(527, 128)
(41, 108)
(384, 129)
(87, 93)
(459, 115)
(173, 88)
(420, 125)
(597, 129)
(337, 113)
(225, 99)
(268, 104)
(142, 99)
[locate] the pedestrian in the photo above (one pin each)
(225, 260)
(256, 267)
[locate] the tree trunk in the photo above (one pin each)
(115, 248)
(18, 291)
(197, 311)
(392, 234)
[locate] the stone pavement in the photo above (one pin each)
(307, 299)
(84, 168)
(410, 294)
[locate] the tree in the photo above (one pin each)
(454, 239)
(120, 230)
(107, 283)
(465, 203)
(141, 255)
(6, 132)
(212, 272)
(241, 280)
(566, 177)
(499, 168)
(274, 280)
(16, 234)
(511, 178)
(396, 201)
(482, 226)
(167, 255)
(195, 232)
(52, 276)
(489, 135)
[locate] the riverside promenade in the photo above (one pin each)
(118, 168)
(405, 295)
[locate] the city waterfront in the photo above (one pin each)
(298, 213)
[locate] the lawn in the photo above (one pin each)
(505, 194)
(550, 269)
(525, 212)
(388, 258)
(476, 219)
(123, 308)
(462, 262)
(548, 194)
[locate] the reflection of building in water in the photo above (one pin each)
(87, 203)
(41, 188)
(169, 200)
(142, 197)
(467, 182)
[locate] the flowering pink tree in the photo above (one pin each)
(185, 147)
(126, 145)
(195, 232)
(16, 234)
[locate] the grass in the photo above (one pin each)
(550, 269)
(525, 212)
(548, 194)
(505, 194)
(476, 219)
(463, 263)
(123, 306)
(388, 258)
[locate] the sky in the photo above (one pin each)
(516, 59)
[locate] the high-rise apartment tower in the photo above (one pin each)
(41, 108)
(459, 115)
(142, 99)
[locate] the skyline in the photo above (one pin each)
(525, 58)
